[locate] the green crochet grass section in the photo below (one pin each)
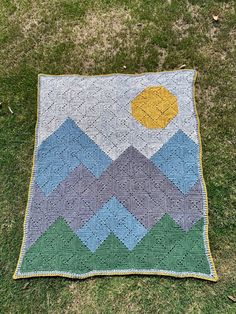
(165, 247)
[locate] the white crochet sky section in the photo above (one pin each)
(101, 106)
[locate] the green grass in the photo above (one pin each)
(91, 37)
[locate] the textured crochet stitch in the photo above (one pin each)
(117, 185)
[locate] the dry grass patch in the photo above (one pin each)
(82, 298)
(95, 38)
(194, 10)
(103, 34)
(162, 54)
(226, 268)
(30, 20)
(206, 100)
(181, 27)
(101, 30)
(89, 297)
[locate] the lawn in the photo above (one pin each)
(110, 36)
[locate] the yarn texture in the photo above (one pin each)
(117, 184)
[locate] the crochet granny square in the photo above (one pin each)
(117, 185)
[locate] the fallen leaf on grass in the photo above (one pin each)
(25, 286)
(232, 298)
(11, 111)
(215, 18)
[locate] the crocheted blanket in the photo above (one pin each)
(117, 185)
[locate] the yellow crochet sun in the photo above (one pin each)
(155, 107)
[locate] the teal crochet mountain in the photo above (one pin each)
(117, 185)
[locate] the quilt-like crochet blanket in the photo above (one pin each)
(117, 185)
